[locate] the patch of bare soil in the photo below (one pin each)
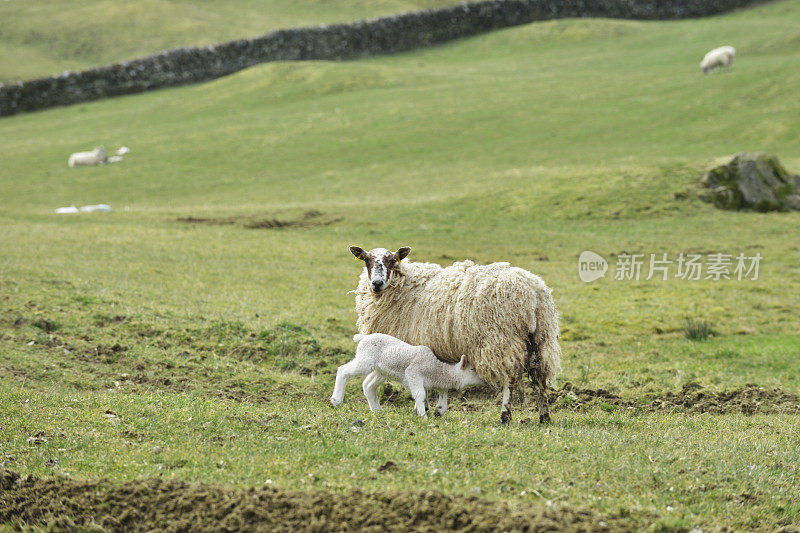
(219, 221)
(306, 220)
(14, 373)
(174, 505)
(569, 396)
(749, 399)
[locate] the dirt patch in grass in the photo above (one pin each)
(749, 399)
(306, 220)
(174, 505)
(13, 373)
(102, 321)
(569, 396)
(120, 357)
(219, 221)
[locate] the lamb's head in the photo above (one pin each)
(467, 373)
(383, 266)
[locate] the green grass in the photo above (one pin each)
(678, 467)
(527, 145)
(50, 36)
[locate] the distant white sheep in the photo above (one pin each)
(383, 357)
(95, 157)
(718, 57)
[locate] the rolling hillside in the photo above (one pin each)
(51, 36)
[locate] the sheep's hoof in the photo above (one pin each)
(438, 413)
(334, 402)
(505, 417)
(544, 418)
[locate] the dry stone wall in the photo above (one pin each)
(386, 35)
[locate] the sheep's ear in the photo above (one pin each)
(402, 253)
(358, 252)
(463, 362)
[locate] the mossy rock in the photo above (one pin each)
(752, 181)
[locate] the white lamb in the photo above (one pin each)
(718, 57)
(383, 357)
(95, 157)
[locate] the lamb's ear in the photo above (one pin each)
(402, 253)
(463, 363)
(358, 252)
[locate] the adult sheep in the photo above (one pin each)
(502, 317)
(95, 157)
(718, 57)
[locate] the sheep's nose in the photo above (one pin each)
(377, 284)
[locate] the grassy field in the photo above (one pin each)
(189, 334)
(50, 36)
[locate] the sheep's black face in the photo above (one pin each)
(381, 264)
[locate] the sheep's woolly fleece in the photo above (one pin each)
(483, 311)
(718, 57)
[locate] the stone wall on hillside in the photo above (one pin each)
(386, 35)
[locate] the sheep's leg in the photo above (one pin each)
(540, 390)
(505, 410)
(441, 405)
(356, 367)
(539, 379)
(371, 384)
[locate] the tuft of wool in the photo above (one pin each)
(484, 311)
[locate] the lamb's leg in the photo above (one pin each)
(505, 410)
(356, 367)
(417, 390)
(371, 384)
(441, 405)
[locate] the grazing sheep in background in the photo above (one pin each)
(93, 208)
(502, 317)
(382, 357)
(95, 157)
(718, 57)
(120, 152)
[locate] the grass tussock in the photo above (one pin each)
(697, 329)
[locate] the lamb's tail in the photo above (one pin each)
(358, 336)
(543, 347)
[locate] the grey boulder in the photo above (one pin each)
(752, 181)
